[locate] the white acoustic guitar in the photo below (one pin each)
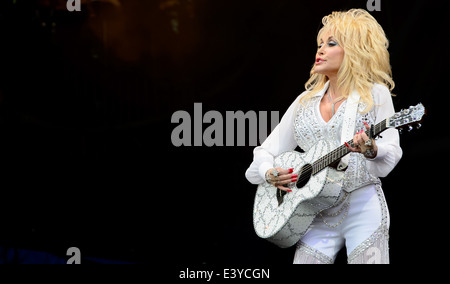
(283, 218)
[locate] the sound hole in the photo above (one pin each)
(303, 178)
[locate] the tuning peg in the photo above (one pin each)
(400, 130)
(410, 128)
(418, 126)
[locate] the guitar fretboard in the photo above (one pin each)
(342, 150)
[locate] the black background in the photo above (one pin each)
(85, 123)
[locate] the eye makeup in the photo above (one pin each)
(331, 43)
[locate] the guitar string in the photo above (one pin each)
(313, 167)
(325, 160)
(343, 148)
(340, 151)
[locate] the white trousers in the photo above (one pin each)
(360, 223)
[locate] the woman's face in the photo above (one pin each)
(329, 56)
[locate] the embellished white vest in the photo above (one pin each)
(309, 128)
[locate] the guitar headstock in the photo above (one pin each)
(407, 117)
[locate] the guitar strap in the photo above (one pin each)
(348, 127)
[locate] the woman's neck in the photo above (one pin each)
(333, 89)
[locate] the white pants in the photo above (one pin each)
(360, 223)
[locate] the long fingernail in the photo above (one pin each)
(293, 180)
(346, 144)
(291, 170)
(289, 190)
(365, 123)
(294, 176)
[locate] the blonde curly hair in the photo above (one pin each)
(366, 58)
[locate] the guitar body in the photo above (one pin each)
(285, 223)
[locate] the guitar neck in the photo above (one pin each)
(342, 150)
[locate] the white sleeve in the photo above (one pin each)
(389, 151)
(279, 141)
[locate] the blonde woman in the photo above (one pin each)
(352, 56)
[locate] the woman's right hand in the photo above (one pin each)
(284, 177)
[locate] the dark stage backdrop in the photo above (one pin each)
(87, 98)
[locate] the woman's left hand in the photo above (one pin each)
(362, 145)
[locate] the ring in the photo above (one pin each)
(369, 153)
(368, 143)
(275, 172)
